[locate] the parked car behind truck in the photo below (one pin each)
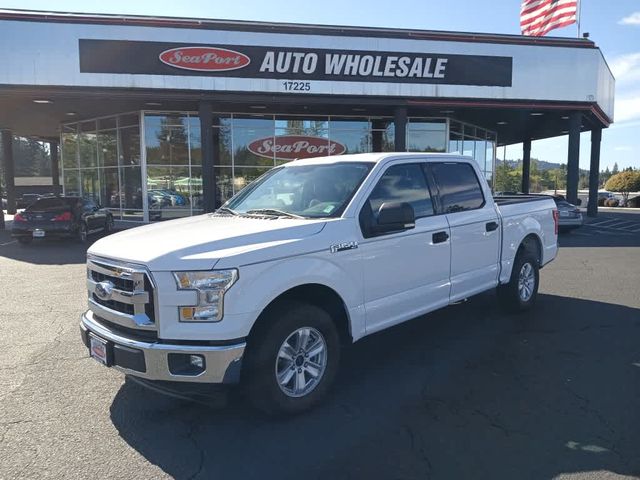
(313, 254)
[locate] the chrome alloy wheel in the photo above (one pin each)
(526, 282)
(301, 362)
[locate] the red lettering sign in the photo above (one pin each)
(290, 147)
(204, 59)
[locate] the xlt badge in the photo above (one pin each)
(339, 247)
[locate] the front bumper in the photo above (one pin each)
(151, 359)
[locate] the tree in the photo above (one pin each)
(624, 182)
(507, 178)
(615, 169)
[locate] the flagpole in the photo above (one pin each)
(579, 16)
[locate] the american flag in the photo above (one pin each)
(538, 17)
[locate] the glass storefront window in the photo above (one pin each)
(166, 140)
(69, 146)
(298, 126)
(108, 148)
(426, 136)
(253, 146)
(222, 137)
(90, 182)
(129, 149)
(474, 142)
(110, 188)
(88, 145)
(224, 184)
(352, 141)
(71, 181)
(102, 158)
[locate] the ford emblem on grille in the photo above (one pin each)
(104, 289)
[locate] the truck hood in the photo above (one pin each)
(197, 243)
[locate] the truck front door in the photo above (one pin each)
(405, 273)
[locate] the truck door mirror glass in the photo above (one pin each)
(395, 216)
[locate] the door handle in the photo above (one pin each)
(440, 237)
(491, 226)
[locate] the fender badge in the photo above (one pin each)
(339, 247)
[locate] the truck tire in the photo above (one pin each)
(522, 290)
(292, 358)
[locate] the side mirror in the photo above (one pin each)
(395, 217)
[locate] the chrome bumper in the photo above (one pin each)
(222, 362)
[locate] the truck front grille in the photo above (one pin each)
(121, 293)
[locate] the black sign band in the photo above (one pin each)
(241, 61)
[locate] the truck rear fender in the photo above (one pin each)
(516, 236)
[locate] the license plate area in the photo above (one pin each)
(100, 350)
(37, 233)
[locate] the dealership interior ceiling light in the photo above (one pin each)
(447, 111)
(258, 107)
(42, 100)
(359, 109)
(153, 104)
(536, 114)
(502, 123)
(565, 118)
(71, 114)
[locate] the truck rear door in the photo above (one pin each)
(474, 224)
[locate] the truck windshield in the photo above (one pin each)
(308, 191)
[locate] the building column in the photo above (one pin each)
(205, 112)
(377, 127)
(594, 172)
(526, 165)
(400, 124)
(573, 157)
(55, 168)
(8, 167)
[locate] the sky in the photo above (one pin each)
(613, 24)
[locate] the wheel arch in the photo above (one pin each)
(531, 242)
(316, 294)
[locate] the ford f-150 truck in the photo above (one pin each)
(314, 254)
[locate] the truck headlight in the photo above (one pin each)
(211, 287)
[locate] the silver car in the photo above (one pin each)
(570, 215)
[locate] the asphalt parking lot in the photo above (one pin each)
(466, 392)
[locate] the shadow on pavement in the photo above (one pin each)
(45, 251)
(591, 238)
(466, 392)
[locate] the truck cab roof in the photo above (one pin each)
(378, 157)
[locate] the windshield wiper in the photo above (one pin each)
(272, 211)
(226, 210)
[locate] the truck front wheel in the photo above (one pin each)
(520, 293)
(291, 359)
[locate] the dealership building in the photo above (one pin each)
(159, 118)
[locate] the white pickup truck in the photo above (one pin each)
(314, 254)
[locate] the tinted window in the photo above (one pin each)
(458, 186)
(49, 204)
(403, 183)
